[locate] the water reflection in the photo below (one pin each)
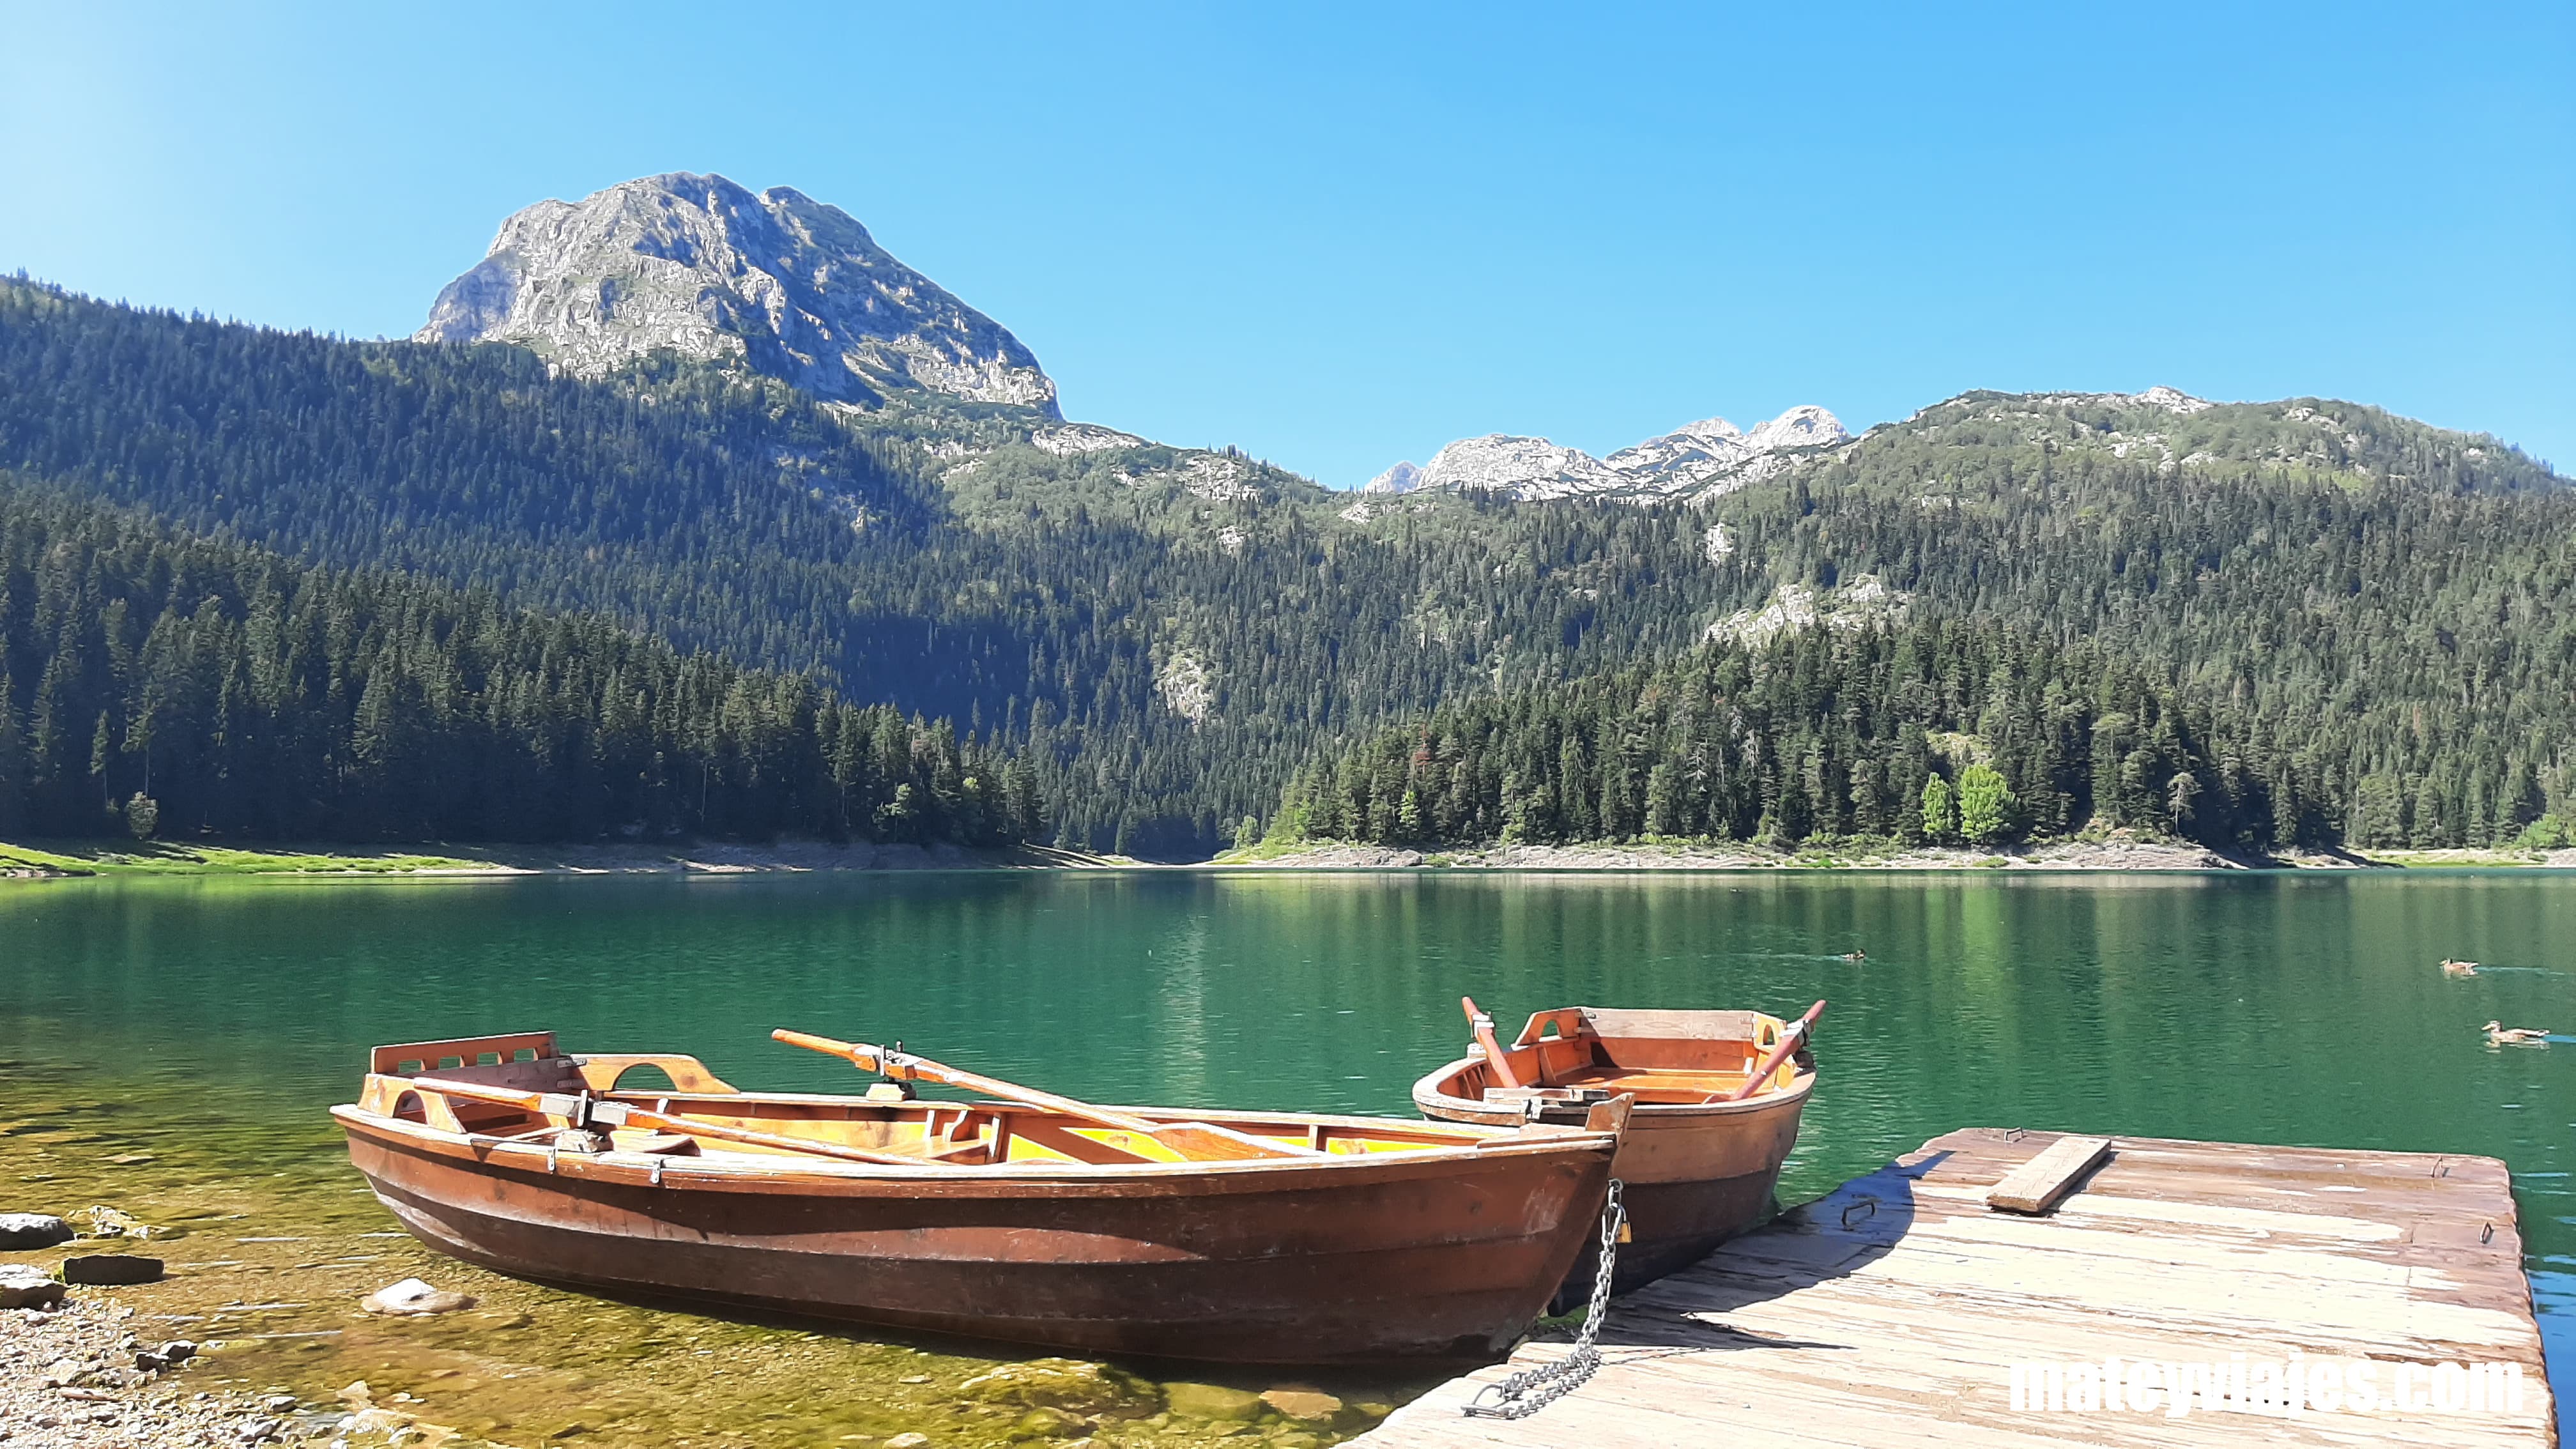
(2302, 1009)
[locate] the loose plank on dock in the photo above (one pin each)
(1887, 1314)
(2040, 1182)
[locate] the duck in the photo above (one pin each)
(2498, 1034)
(2458, 968)
(1855, 955)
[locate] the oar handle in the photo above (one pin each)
(866, 1058)
(905, 1067)
(1789, 1040)
(1482, 1026)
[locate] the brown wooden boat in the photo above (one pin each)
(1224, 1236)
(1718, 1095)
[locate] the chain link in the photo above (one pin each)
(1517, 1396)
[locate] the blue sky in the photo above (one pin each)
(1339, 236)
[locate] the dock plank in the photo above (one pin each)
(1888, 1313)
(2036, 1185)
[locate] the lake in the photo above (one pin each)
(198, 1030)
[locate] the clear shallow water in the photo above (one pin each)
(2291, 1009)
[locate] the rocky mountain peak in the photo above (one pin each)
(1695, 459)
(1404, 477)
(777, 282)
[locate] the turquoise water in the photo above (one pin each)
(2260, 1008)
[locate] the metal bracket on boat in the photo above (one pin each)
(1536, 1103)
(582, 1110)
(897, 1065)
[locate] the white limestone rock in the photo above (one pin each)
(1515, 467)
(2173, 400)
(1186, 688)
(1402, 478)
(1800, 427)
(412, 1298)
(1686, 457)
(1866, 600)
(777, 282)
(1218, 478)
(1069, 439)
(1702, 459)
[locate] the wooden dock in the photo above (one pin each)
(1888, 1314)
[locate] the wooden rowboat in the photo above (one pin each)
(1224, 1236)
(1718, 1095)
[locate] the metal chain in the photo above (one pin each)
(1517, 1396)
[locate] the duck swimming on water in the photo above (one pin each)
(2499, 1034)
(2458, 968)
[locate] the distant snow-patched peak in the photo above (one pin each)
(1402, 478)
(1515, 467)
(1694, 460)
(1799, 427)
(1711, 446)
(1714, 456)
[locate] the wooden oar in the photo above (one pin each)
(1483, 1027)
(1192, 1140)
(586, 1110)
(1789, 1040)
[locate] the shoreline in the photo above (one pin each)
(2106, 856)
(71, 860)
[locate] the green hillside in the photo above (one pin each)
(156, 685)
(1167, 636)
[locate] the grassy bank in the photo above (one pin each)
(53, 859)
(80, 858)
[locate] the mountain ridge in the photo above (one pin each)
(1698, 460)
(1167, 633)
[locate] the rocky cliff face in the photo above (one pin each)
(1697, 460)
(777, 282)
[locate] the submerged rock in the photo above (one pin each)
(1046, 1424)
(22, 1231)
(1056, 1383)
(411, 1298)
(911, 1440)
(114, 1270)
(1303, 1404)
(108, 1222)
(1213, 1401)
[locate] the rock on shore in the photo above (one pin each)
(76, 1377)
(20, 1232)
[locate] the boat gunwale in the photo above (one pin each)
(776, 1171)
(1475, 1111)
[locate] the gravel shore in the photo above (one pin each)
(69, 1379)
